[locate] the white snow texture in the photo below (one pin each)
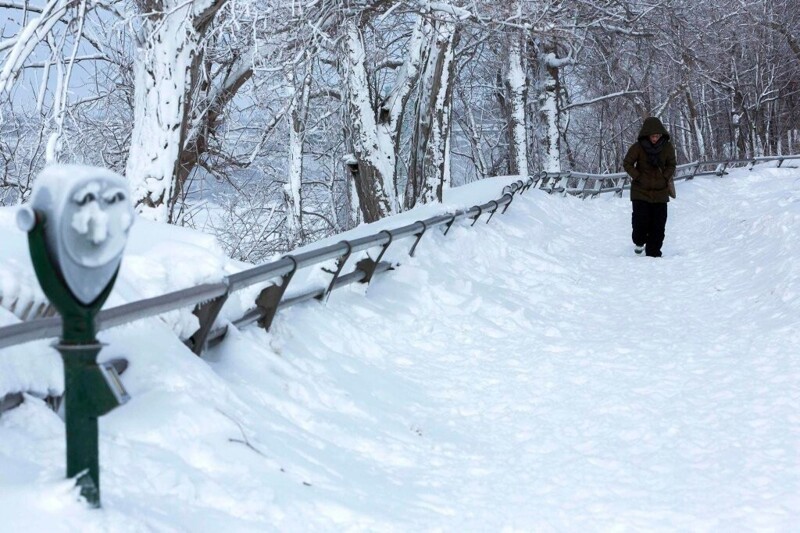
(531, 374)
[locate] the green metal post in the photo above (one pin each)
(83, 458)
(87, 395)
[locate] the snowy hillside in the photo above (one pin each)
(529, 374)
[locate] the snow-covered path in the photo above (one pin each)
(598, 388)
(560, 381)
(570, 383)
(529, 374)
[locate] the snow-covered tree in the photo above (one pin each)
(331, 113)
(516, 85)
(429, 167)
(167, 66)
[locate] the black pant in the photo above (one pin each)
(649, 220)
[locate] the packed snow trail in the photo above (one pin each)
(529, 374)
(560, 381)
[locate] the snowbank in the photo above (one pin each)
(530, 374)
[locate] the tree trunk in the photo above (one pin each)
(739, 137)
(516, 89)
(549, 98)
(372, 135)
(429, 169)
(374, 153)
(204, 120)
(292, 191)
(168, 46)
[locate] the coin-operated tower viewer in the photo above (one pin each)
(77, 222)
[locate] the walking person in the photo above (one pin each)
(650, 162)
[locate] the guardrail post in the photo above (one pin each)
(598, 188)
(554, 180)
(543, 180)
(449, 225)
(339, 266)
(511, 199)
(206, 313)
(566, 185)
(694, 171)
(496, 205)
(268, 299)
(555, 183)
(721, 169)
(368, 265)
(476, 217)
(532, 182)
(620, 186)
(419, 237)
(584, 182)
(780, 162)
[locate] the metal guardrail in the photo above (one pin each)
(208, 299)
(590, 185)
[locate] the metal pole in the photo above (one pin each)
(77, 280)
(83, 457)
(87, 394)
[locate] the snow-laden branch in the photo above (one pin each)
(631, 32)
(62, 95)
(221, 92)
(269, 129)
(326, 93)
(21, 7)
(394, 104)
(389, 64)
(34, 32)
(458, 13)
(552, 61)
(659, 110)
(599, 99)
(46, 64)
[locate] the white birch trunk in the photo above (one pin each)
(437, 78)
(376, 164)
(292, 192)
(758, 146)
(701, 142)
(429, 165)
(685, 142)
(161, 68)
(517, 97)
(550, 139)
(375, 142)
(549, 119)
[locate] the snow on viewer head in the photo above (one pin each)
(88, 215)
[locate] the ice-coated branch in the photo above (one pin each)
(23, 45)
(585, 103)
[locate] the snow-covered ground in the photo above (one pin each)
(529, 374)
